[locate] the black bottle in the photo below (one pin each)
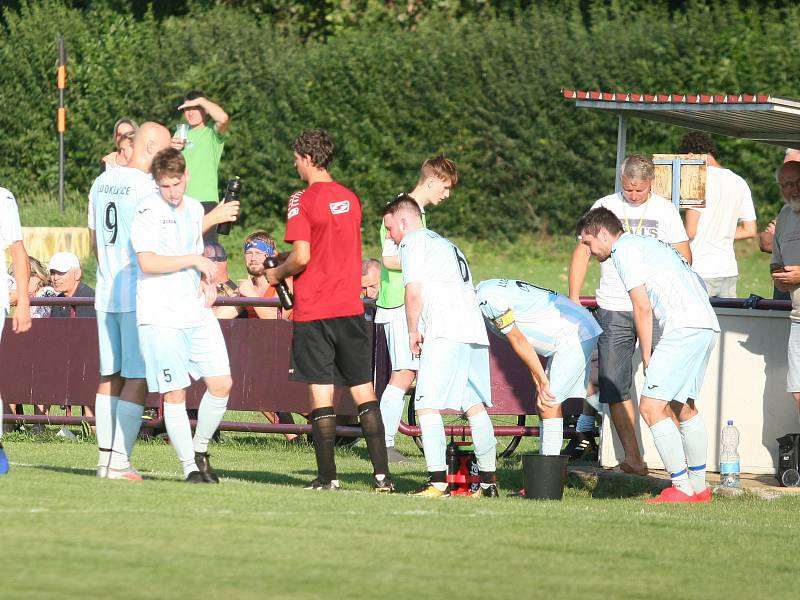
(284, 295)
(231, 194)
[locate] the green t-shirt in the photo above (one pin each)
(202, 153)
(392, 292)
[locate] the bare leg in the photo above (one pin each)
(623, 417)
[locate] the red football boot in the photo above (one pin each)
(671, 495)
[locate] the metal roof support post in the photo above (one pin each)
(622, 139)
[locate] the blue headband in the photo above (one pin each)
(261, 245)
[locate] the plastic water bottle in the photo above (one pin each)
(729, 457)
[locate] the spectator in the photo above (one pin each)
(257, 247)
(38, 287)
(785, 264)
(728, 215)
(370, 278)
(65, 271)
(124, 130)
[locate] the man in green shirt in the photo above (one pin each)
(438, 176)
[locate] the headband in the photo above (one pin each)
(261, 245)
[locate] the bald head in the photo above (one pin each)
(150, 139)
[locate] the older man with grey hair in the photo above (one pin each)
(642, 213)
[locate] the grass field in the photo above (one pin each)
(258, 535)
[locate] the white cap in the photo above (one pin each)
(64, 261)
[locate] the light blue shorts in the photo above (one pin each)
(118, 340)
(397, 341)
(678, 364)
(174, 355)
(452, 375)
(569, 368)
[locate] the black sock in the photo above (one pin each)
(437, 476)
(323, 431)
(369, 415)
(487, 476)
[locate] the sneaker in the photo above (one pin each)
(430, 491)
(102, 471)
(704, 496)
(3, 461)
(394, 455)
(490, 492)
(129, 474)
(204, 466)
(671, 495)
(318, 486)
(517, 494)
(580, 443)
(384, 486)
(66, 434)
(196, 477)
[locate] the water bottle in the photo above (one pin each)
(284, 295)
(729, 457)
(231, 194)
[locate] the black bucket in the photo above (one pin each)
(543, 476)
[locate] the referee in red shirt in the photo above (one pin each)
(329, 344)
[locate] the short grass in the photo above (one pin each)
(258, 535)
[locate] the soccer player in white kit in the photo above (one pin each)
(179, 334)
(446, 330)
(660, 282)
(11, 238)
(535, 321)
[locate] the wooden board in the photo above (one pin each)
(693, 179)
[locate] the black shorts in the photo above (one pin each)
(331, 351)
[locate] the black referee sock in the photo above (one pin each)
(323, 432)
(369, 415)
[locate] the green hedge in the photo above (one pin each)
(485, 91)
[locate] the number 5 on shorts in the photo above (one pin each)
(167, 376)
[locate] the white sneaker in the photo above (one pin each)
(66, 434)
(130, 474)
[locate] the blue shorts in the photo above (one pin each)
(452, 375)
(569, 368)
(678, 364)
(118, 340)
(174, 355)
(399, 350)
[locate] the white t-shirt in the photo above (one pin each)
(449, 305)
(169, 299)
(10, 232)
(547, 319)
(677, 293)
(728, 201)
(112, 206)
(657, 218)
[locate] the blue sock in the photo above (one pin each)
(434, 443)
(105, 419)
(585, 423)
(668, 442)
(695, 445)
(209, 416)
(552, 436)
(180, 434)
(3, 458)
(484, 441)
(392, 403)
(129, 420)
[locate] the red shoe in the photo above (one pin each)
(704, 496)
(671, 495)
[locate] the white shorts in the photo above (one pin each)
(173, 355)
(678, 364)
(452, 375)
(118, 340)
(793, 377)
(397, 341)
(569, 368)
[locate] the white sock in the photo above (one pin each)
(585, 423)
(129, 420)
(552, 437)
(105, 416)
(484, 441)
(392, 404)
(180, 435)
(668, 442)
(594, 402)
(209, 416)
(434, 443)
(695, 445)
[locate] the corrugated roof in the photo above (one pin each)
(757, 117)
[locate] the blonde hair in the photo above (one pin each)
(37, 269)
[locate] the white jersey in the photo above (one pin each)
(657, 218)
(112, 206)
(449, 305)
(169, 299)
(10, 232)
(728, 201)
(677, 293)
(546, 318)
